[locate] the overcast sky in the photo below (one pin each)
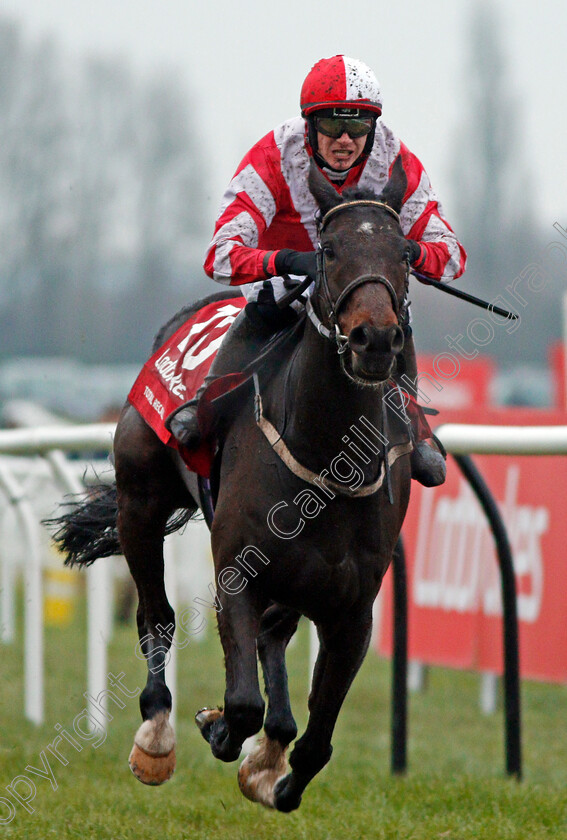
(245, 61)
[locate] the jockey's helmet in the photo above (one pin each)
(340, 88)
(340, 82)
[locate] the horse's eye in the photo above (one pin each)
(328, 251)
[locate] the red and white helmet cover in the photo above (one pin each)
(340, 82)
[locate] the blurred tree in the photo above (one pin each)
(11, 72)
(488, 170)
(101, 99)
(43, 171)
(100, 191)
(168, 197)
(32, 200)
(492, 208)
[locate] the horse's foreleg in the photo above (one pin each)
(344, 651)
(277, 627)
(318, 672)
(239, 622)
(267, 763)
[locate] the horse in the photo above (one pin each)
(302, 527)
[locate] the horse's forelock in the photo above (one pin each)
(359, 194)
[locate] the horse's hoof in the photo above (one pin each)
(261, 770)
(151, 769)
(285, 799)
(152, 759)
(205, 718)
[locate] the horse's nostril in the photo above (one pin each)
(397, 340)
(359, 339)
(368, 339)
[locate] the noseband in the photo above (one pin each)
(334, 334)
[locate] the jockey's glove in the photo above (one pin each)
(417, 258)
(416, 253)
(301, 263)
(264, 312)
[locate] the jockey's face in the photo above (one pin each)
(340, 152)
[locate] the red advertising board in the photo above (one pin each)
(468, 388)
(455, 605)
(557, 353)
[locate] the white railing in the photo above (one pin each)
(41, 453)
(42, 439)
(468, 439)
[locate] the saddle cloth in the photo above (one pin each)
(175, 372)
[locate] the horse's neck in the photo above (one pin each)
(329, 411)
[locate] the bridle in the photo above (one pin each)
(275, 438)
(333, 306)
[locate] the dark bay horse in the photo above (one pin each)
(310, 503)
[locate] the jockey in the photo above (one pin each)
(267, 225)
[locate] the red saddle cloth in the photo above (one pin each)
(176, 371)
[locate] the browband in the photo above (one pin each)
(358, 203)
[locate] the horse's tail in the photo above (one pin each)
(89, 529)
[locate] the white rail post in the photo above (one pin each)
(33, 596)
(99, 603)
(489, 690)
(7, 601)
(98, 598)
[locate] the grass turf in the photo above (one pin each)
(455, 787)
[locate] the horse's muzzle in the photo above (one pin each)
(374, 350)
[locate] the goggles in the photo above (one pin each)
(336, 126)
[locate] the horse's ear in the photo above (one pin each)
(394, 191)
(323, 192)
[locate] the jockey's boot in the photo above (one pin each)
(427, 462)
(243, 342)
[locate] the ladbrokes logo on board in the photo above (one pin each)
(456, 566)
